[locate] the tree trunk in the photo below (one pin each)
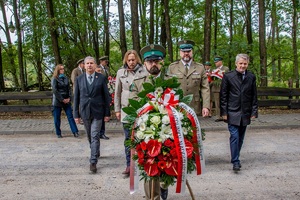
(273, 39)
(9, 50)
(135, 25)
(294, 37)
(106, 26)
(151, 23)
(216, 27)
(230, 33)
(249, 29)
(37, 46)
(20, 50)
(168, 30)
(94, 28)
(163, 35)
(207, 30)
(262, 45)
(143, 13)
(123, 44)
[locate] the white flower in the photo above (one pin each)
(180, 115)
(162, 109)
(142, 126)
(148, 137)
(152, 127)
(159, 91)
(155, 120)
(184, 130)
(165, 119)
(142, 119)
(140, 135)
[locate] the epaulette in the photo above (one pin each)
(176, 62)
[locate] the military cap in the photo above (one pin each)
(207, 63)
(186, 45)
(80, 61)
(217, 59)
(153, 52)
(103, 58)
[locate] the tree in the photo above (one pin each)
(294, 38)
(123, 44)
(135, 25)
(168, 30)
(207, 30)
(262, 45)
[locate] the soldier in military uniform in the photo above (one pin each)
(192, 77)
(153, 56)
(217, 75)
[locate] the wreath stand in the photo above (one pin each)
(187, 184)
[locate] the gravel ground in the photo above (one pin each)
(44, 167)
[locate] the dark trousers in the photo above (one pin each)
(57, 118)
(127, 149)
(102, 130)
(237, 134)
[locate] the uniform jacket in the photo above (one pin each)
(92, 100)
(217, 81)
(61, 90)
(195, 82)
(238, 98)
(105, 71)
(124, 80)
(75, 73)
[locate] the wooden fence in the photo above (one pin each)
(267, 97)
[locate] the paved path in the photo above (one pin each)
(45, 126)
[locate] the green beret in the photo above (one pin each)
(80, 61)
(207, 63)
(217, 59)
(186, 45)
(153, 52)
(103, 58)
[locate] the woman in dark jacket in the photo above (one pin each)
(62, 100)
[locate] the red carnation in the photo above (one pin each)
(189, 148)
(169, 143)
(162, 165)
(143, 145)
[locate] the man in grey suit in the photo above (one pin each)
(91, 96)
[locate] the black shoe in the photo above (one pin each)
(93, 168)
(104, 137)
(163, 193)
(59, 136)
(76, 135)
(236, 167)
(219, 120)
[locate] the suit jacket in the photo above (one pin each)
(195, 82)
(238, 98)
(92, 100)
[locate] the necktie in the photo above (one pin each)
(90, 80)
(186, 69)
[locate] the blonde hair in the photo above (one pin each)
(56, 70)
(134, 53)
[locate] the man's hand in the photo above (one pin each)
(106, 119)
(118, 115)
(77, 120)
(205, 112)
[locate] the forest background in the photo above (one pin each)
(49, 32)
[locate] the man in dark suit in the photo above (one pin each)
(238, 103)
(91, 96)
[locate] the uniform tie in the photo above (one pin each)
(186, 69)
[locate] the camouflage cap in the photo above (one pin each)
(153, 52)
(186, 45)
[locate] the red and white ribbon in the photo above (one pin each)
(167, 98)
(217, 73)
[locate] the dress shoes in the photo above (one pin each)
(164, 193)
(219, 120)
(59, 136)
(127, 171)
(236, 167)
(104, 137)
(93, 167)
(76, 135)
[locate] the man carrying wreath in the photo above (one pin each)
(153, 56)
